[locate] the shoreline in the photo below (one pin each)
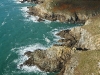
(64, 57)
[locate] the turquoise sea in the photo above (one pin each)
(19, 33)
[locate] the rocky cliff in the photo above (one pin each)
(85, 38)
(66, 57)
(66, 11)
(51, 60)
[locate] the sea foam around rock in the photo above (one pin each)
(21, 59)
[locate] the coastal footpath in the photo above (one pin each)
(79, 50)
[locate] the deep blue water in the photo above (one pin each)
(19, 33)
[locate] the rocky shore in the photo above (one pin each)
(65, 57)
(51, 60)
(65, 12)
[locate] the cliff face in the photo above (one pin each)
(85, 41)
(51, 60)
(66, 11)
(68, 57)
(86, 37)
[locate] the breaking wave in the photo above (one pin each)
(27, 16)
(22, 58)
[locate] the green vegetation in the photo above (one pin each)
(88, 63)
(93, 25)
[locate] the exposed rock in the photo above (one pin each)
(40, 19)
(77, 37)
(69, 39)
(69, 67)
(28, 53)
(65, 11)
(52, 60)
(87, 37)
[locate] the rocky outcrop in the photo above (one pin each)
(66, 11)
(51, 60)
(44, 14)
(70, 66)
(87, 37)
(61, 57)
(77, 37)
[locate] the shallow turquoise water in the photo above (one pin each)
(19, 34)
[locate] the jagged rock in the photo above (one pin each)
(28, 53)
(51, 60)
(69, 67)
(83, 37)
(40, 19)
(55, 10)
(69, 39)
(87, 37)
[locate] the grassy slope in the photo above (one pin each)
(88, 63)
(88, 60)
(93, 25)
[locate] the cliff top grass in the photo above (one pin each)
(89, 63)
(72, 5)
(93, 25)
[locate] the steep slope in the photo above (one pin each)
(78, 53)
(66, 10)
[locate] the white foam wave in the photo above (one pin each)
(20, 0)
(27, 16)
(47, 21)
(26, 68)
(22, 58)
(31, 69)
(24, 9)
(3, 23)
(8, 56)
(17, 1)
(23, 49)
(20, 61)
(33, 18)
(47, 40)
(54, 32)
